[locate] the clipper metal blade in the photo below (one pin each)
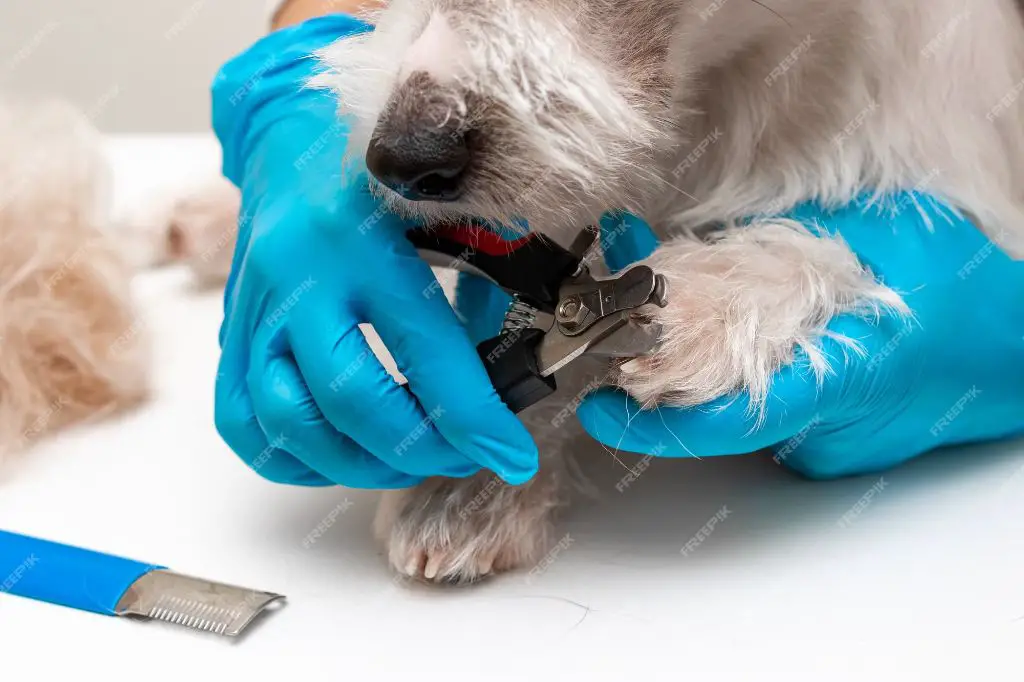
(194, 602)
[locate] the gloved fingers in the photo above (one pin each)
(238, 260)
(481, 305)
(286, 408)
(357, 396)
(727, 426)
(236, 422)
(625, 239)
(433, 351)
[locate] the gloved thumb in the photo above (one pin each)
(625, 239)
(727, 426)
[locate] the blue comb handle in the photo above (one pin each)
(65, 575)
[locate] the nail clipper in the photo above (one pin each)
(559, 310)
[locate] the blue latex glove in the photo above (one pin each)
(300, 396)
(954, 375)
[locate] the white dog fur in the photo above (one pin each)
(693, 115)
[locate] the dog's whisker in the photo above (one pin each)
(679, 440)
(781, 18)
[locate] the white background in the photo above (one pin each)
(926, 583)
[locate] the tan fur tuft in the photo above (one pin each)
(71, 345)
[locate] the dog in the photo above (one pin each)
(707, 119)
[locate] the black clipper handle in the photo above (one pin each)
(511, 362)
(534, 270)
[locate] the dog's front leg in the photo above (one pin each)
(740, 306)
(450, 530)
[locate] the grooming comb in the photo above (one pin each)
(115, 586)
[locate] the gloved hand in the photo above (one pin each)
(955, 374)
(299, 395)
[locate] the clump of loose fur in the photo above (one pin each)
(71, 345)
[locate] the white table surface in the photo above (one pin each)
(926, 583)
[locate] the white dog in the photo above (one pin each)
(694, 115)
(690, 114)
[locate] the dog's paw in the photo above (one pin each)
(203, 228)
(740, 306)
(459, 531)
(197, 227)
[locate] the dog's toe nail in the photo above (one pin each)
(433, 566)
(414, 564)
(631, 367)
(485, 565)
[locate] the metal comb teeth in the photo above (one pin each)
(194, 602)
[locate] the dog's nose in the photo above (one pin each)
(425, 165)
